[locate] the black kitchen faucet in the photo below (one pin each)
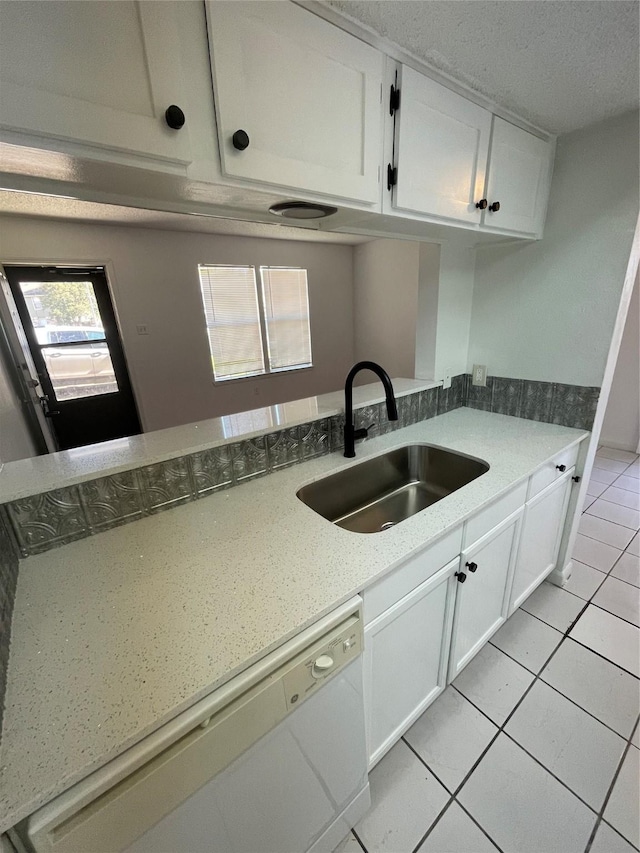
(350, 434)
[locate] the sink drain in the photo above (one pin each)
(387, 525)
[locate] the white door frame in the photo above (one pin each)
(562, 572)
(24, 369)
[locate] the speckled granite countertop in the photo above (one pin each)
(116, 634)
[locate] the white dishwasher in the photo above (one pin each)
(272, 762)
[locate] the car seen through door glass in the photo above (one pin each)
(77, 371)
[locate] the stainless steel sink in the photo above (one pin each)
(381, 492)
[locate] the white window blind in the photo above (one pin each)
(285, 300)
(229, 295)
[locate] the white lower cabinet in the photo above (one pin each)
(405, 659)
(483, 588)
(542, 526)
(423, 624)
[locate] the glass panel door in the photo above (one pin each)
(70, 325)
(65, 314)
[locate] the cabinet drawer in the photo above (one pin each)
(488, 518)
(386, 592)
(546, 475)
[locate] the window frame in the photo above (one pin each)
(262, 321)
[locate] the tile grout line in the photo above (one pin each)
(573, 639)
(593, 539)
(501, 729)
(605, 803)
(358, 840)
(519, 745)
(451, 795)
(468, 813)
(614, 503)
(604, 609)
(557, 689)
(537, 677)
(593, 716)
(618, 523)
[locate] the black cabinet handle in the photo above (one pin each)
(461, 577)
(576, 479)
(561, 468)
(240, 140)
(471, 566)
(495, 207)
(482, 204)
(174, 117)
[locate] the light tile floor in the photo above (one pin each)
(534, 747)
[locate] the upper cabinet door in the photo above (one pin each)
(305, 93)
(519, 178)
(442, 141)
(97, 73)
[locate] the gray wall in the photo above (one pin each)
(385, 299)
(547, 310)
(621, 427)
(154, 279)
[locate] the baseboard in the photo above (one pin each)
(560, 576)
(617, 445)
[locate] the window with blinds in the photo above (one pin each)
(254, 329)
(285, 299)
(230, 299)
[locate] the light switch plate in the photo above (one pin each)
(142, 329)
(446, 382)
(479, 375)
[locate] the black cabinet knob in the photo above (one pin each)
(240, 140)
(471, 566)
(482, 204)
(174, 117)
(561, 468)
(576, 479)
(495, 207)
(461, 577)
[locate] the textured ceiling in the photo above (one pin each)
(56, 207)
(560, 64)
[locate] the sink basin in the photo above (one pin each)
(381, 492)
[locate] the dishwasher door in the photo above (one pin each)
(296, 785)
(279, 765)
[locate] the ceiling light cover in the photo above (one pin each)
(302, 210)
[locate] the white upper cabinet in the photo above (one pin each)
(519, 176)
(454, 161)
(305, 94)
(101, 74)
(441, 147)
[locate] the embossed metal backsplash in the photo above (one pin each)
(8, 580)
(44, 521)
(551, 402)
(61, 516)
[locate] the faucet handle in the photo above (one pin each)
(363, 432)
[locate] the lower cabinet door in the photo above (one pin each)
(482, 591)
(542, 527)
(405, 659)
